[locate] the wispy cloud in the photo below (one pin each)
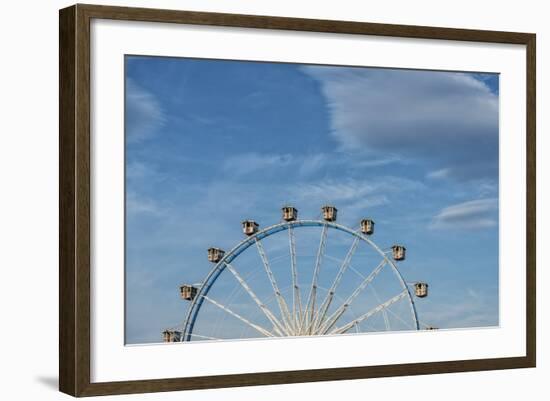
(144, 114)
(354, 196)
(304, 165)
(249, 163)
(313, 163)
(469, 308)
(438, 174)
(140, 170)
(372, 161)
(479, 213)
(353, 189)
(136, 204)
(449, 118)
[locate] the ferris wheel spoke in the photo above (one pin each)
(205, 337)
(307, 320)
(391, 301)
(296, 299)
(325, 305)
(242, 319)
(408, 324)
(426, 326)
(285, 313)
(384, 311)
(331, 321)
(276, 324)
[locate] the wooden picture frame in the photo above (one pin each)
(74, 203)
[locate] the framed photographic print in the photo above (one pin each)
(250, 200)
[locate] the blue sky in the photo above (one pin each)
(211, 142)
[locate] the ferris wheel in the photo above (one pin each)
(300, 289)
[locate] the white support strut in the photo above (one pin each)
(331, 321)
(242, 319)
(296, 299)
(276, 324)
(205, 337)
(384, 312)
(305, 327)
(321, 315)
(367, 315)
(285, 313)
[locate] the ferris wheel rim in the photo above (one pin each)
(243, 245)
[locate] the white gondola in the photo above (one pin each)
(290, 213)
(188, 292)
(215, 254)
(367, 226)
(329, 213)
(398, 252)
(250, 227)
(421, 290)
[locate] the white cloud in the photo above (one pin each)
(449, 118)
(370, 161)
(438, 174)
(479, 213)
(144, 114)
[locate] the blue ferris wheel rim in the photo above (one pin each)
(228, 257)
